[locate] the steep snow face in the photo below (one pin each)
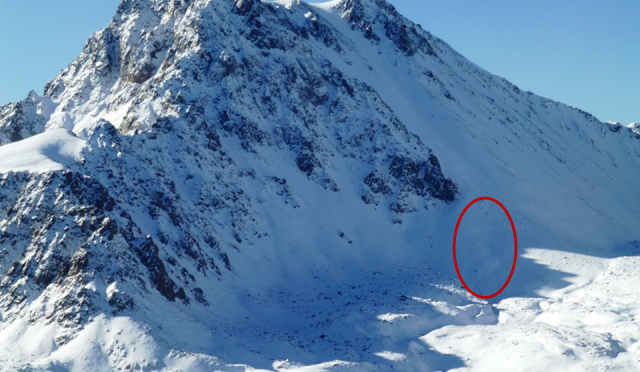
(217, 184)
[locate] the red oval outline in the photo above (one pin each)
(515, 244)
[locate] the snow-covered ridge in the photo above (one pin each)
(237, 185)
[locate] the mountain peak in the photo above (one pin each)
(272, 177)
(360, 10)
(379, 19)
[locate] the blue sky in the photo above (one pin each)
(38, 38)
(585, 53)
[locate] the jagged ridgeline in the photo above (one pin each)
(228, 154)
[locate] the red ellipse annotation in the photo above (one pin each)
(515, 244)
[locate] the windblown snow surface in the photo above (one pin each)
(47, 151)
(239, 186)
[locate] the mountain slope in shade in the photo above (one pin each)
(220, 185)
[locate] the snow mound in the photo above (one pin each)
(52, 150)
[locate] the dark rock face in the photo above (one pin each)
(22, 119)
(405, 177)
(148, 253)
(378, 17)
(76, 233)
(120, 302)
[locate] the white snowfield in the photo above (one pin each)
(295, 267)
(47, 151)
(589, 325)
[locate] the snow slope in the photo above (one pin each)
(47, 151)
(220, 185)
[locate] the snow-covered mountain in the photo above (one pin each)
(220, 185)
